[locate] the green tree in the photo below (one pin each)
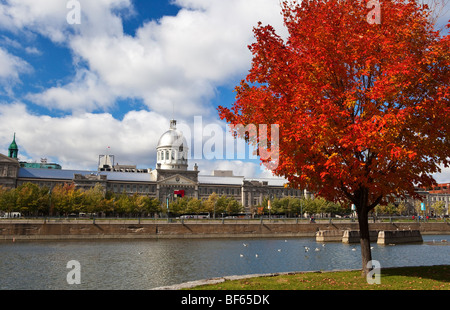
(8, 199)
(209, 205)
(122, 204)
(233, 206)
(93, 199)
(194, 206)
(28, 198)
(153, 205)
(178, 206)
(438, 207)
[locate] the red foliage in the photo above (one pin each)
(363, 109)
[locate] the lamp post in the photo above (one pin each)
(167, 204)
(268, 205)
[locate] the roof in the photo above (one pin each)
(35, 173)
(172, 138)
(238, 180)
(209, 179)
(271, 181)
(127, 176)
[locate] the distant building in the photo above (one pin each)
(443, 188)
(9, 171)
(42, 165)
(171, 177)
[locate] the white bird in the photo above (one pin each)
(371, 247)
(241, 255)
(245, 244)
(353, 249)
(306, 249)
(279, 250)
(256, 255)
(323, 244)
(317, 249)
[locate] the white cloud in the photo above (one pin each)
(443, 176)
(49, 17)
(85, 93)
(10, 68)
(175, 61)
(77, 140)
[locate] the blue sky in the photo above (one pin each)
(111, 83)
(70, 91)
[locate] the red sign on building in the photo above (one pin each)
(179, 193)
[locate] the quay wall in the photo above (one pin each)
(40, 230)
(400, 236)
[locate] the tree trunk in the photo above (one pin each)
(366, 254)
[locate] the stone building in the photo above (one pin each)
(9, 171)
(171, 177)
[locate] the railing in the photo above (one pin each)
(264, 220)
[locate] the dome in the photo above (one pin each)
(172, 150)
(172, 137)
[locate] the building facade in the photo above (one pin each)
(171, 178)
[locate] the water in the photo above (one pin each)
(146, 264)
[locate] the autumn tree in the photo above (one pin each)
(8, 199)
(209, 204)
(362, 107)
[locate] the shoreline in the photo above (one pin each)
(99, 229)
(190, 285)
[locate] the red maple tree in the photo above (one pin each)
(362, 108)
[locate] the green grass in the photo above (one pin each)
(402, 278)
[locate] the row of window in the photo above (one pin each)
(170, 155)
(151, 188)
(131, 188)
(219, 191)
(439, 198)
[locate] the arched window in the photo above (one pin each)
(167, 155)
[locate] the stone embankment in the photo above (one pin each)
(380, 237)
(134, 229)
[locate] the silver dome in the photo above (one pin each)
(172, 137)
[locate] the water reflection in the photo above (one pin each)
(145, 264)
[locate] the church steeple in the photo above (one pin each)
(13, 150)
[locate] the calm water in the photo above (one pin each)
(146, 264)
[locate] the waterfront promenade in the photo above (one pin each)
(55, 228)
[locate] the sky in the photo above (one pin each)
(79, 79)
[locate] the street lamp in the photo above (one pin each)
(268, 205)
(167, 204)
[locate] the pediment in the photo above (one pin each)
(177, 179)
(7, 160)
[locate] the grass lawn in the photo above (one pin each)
(401, 278)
